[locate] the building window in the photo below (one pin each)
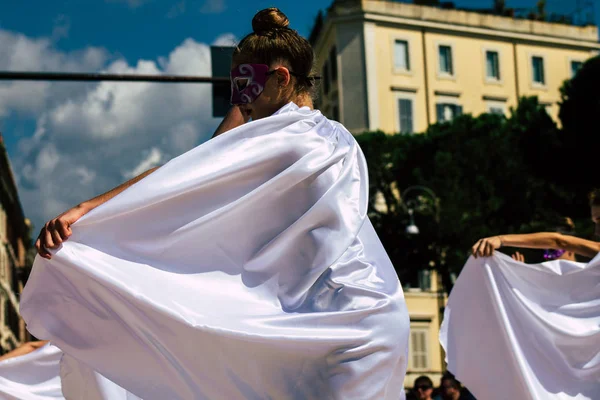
(419, 357)
(325, 78)
(401, 58)
(447, 111)
(496, 107)
(333, 63)
(446, 66)
(537, 64)
(575, 66)
(492, 65)
(405, 113)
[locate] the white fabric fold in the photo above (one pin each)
(525, 331)
(244, 269)
(33, 376)
(37, 376)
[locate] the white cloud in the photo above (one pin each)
(153, 159)
(21, 53)
(227, 39)
(213, 7)
(91, 137)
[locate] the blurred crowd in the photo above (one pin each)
(449, 389)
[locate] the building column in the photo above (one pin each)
(370, 43)
(353, 98)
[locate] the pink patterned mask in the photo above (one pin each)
(248, 82)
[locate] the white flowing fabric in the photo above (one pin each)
(524, 331)
(244, 269)
(37, 376)
(80, 382)
(32, 376)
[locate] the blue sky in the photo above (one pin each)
(69, 141)
(143, 28)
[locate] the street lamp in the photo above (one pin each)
(412, 228)
(410, 205)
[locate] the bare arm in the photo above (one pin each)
(23, 349)
(58, 229)
(234, 118)
(103, 198)
(542, 240)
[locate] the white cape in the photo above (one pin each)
(244, 269)
(524, 331)
(37, 376)
(32, 376)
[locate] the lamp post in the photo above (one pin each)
(411, 204)
(412, 229)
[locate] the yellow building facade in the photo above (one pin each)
(425, 302)
(400, 67)
(15, 257)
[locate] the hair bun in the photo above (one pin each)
(269, 19)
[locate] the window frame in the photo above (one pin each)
(424, 329)
(491, 80)
(442, 74)
(572, 60)
(489, 104)
(440, 99)
(410, 58)
(534, 84)
(404, 96)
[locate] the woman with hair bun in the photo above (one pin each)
(246, 268)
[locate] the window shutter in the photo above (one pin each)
(418, 349)
(439, 109)
(406, 117)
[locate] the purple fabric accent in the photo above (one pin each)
(248, 82)
(553, 254)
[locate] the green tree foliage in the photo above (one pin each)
(491, 175)
(579, 144)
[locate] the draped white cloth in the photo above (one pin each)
(525, 331)
(32, 376)
(37, 376)
(244, 269)
(80, 382)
